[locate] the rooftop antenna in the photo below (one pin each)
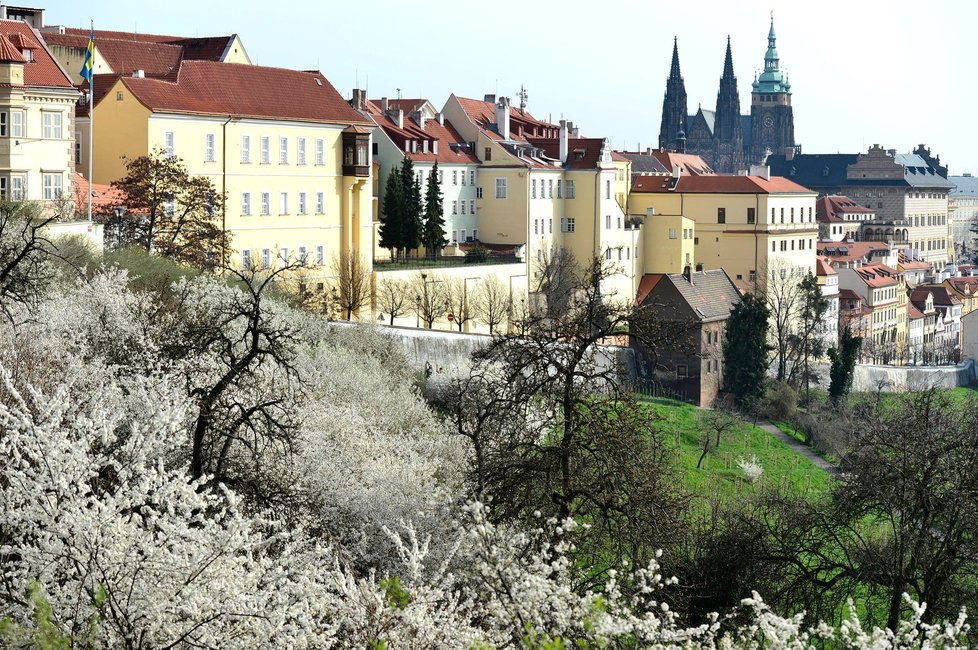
(523, 97)
(398, 93)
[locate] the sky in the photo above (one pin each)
(894, 72)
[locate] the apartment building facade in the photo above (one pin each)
(294, 166)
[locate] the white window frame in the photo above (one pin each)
(53, 186)
(303, 255)
(266, 150)
(320, 155)
(169, 144)
(17, 123)
(210, 142)
(246, 259)
(302, 202)
(501, 188)
(301, 151)
(18, 187)
(246, 204)
(283, 203)
(246, 149)
(283, 151)
(570, 189)
(320, 255)
(266, 258)
(320, 202)
(53, 125)
(266, 204)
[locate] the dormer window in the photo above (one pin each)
(28, 56)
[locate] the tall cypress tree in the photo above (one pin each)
(843, 364)
(411, 224)
(433, 226)
(745, 350)
(392, 215)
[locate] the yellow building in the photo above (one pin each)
(543, 188)
(881, 288)
(754, 227)
(290, 155)
(37, 103)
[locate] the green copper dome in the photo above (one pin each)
(771, 80)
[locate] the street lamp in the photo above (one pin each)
(119, 211)
(417, 311)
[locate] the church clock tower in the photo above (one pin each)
(772, 122)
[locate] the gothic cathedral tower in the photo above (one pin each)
(772, 122)
(728, 134)
(673, 106)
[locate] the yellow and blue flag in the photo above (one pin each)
(86, 71)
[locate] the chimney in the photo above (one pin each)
(440, 118)
(789, 154)
(563, 141)
(434, 147)
(688, 274)
(399, 118)
(760, 170)
(418, 117)
(676, 171)
(139, 74)
(384, 104)
(502, 117)
(359, 101)
(491, 98)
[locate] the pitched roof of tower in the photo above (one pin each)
(674, 72)
(728, 62)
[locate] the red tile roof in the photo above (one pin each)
(854, 250)
(105, 198)
(823, 267)
(483, 115)
(713, 184)
(406, 105)
(9, 53)
(689, 164)
(964, 286)
(913, 312)
(445, 134)
(43, 70)
(582, 153)
(210, 88)
(878, 275)
(912, 265)
(941, 294)
(155, 54)
(830, 208)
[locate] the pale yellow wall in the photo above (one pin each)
(511, 275)
(346, 221)
(120, 130)
(236, 53)
(72, 58)
(30, 155)
(503, 221)
(663, 253)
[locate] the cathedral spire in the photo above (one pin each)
(728, 72)
(673, 104)
(674, 73)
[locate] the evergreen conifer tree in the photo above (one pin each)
(392, 215)
(843, 364)
(433, 226)
(745, 350)
(411, 223)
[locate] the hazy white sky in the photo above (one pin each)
(894, 72)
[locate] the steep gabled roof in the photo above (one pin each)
(452, 148)
(582, 153)
(9, 53)
(43, 70)
(689, 164)
(210, 88)
(710, 294)
(829, 208)
(643, 163)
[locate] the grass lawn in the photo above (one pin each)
(719, 476)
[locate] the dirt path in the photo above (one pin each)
(798, 447)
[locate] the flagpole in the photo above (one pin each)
(91, 125)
